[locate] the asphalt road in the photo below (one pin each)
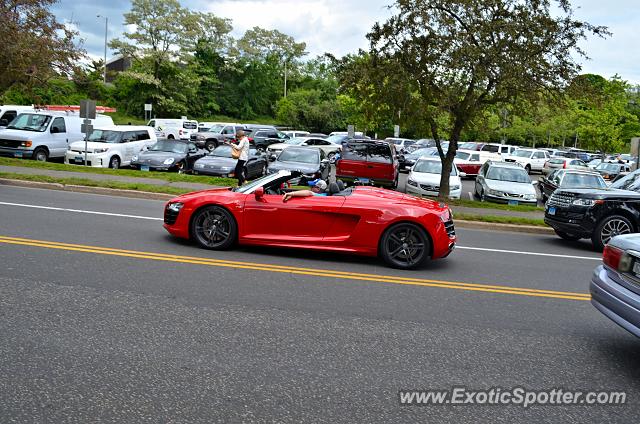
(105, 317)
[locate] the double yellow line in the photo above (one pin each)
(296, 270)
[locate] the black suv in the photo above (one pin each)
(596, 214)
(261, 136)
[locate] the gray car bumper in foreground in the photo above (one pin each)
(615, 301)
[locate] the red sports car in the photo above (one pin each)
(404, 230)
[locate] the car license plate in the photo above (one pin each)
(552, 211)
(79, 159)
(17, 154)
(513, 202)
(364, 180)
(144, 167)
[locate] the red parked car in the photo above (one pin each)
(404, 230)
(368, 161)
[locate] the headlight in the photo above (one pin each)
(225, 168)
(495, 192)
(198, 165)
(412, 183)
(134, 158)
(530, 196)
(175, 206)
(100, 150)
(169, 161)
(26, 143)
(586, 202)
(455, 187)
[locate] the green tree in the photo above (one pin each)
(468, 55)
(35, 46)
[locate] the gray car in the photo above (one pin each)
(311, 161)
(563, 163)
(221, 163)
(615, 285)
(505, 182)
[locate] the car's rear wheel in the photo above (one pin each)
(171, 137)
(214, 228)
(567, 236)
(610, 227)
(114, 162)
(528, 169)
(210, 145)
(405, 246)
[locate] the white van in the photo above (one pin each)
(111, 146)
(44, 135)
(180, 129)
(9, 112)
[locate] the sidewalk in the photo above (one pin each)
(200, 186)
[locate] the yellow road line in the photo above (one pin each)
(295, 270)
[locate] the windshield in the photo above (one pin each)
(216, 128)
(105, 136)
(608, 167)
(513, 175)
(583, 181)
(468, 145)
(169, 146)
(462, 155)
(299, 155)
(189, 125)
(222, 152)
(522, 153)
(295, 141)
(30, 122)
(431, 167)
(629, 182)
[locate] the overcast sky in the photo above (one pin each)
(339, 26)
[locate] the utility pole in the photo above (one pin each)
(285, 78)
(106, 26)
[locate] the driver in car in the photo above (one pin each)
(319, 189)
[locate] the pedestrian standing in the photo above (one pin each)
(241, 150)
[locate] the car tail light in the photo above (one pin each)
(616, 259)
(564, 164)
(181, 132)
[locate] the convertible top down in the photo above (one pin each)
(404, 230)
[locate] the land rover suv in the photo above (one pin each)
(598, 214)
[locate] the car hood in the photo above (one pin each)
(9, 134)
(511, 187)
(603, 193)
(157, 158)
(198, 194)
(434, 179)
(217, 161)
(305, 168)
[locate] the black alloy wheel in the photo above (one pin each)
(214, 228)
(610, 227)
(405, 246)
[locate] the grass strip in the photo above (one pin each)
(166, 176)
(516, 220)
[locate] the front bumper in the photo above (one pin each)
(16, 153)
(95, 160)
(453, 194)
(506, 200)
(570, 222)
(618, 303)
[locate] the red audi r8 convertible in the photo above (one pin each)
(404, 230)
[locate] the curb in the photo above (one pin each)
(481, 225)
(478, 225)
(87, 189)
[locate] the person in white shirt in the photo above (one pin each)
(243, 147)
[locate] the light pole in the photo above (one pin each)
(106, 25)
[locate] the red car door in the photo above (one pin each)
(301, 220)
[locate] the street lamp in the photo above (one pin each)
(106, 24)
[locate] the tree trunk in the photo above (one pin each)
(447, 163)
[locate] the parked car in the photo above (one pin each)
(366, 160)
(421, 144)
(424, 178)
(219, 162)
(530, 159)
(111, 146)
(468, 161)
(262, 136)
(563, 163)
(9, 112)
(504, 182)
(330, 149)
(406, 161)
(471, 145)
(43, 135)
(405, 231)
(611, 171)
(168, 155)
(593, 163)
(615, 288)
(499, 149)
(569, 178)
(402, 144)
(179, 129)
(311, 162)
(296, 133)
(596, 214)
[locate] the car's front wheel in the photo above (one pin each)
(405, 246)
(608, 228)
(214, 228)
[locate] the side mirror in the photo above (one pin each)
(463, 174)
(259, 193)
(272, 158)
(55, 130)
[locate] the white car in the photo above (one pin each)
(424, 178)
(296, 133)
(179, 129)
(111, 146)
(330, 149)
(530, 159)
